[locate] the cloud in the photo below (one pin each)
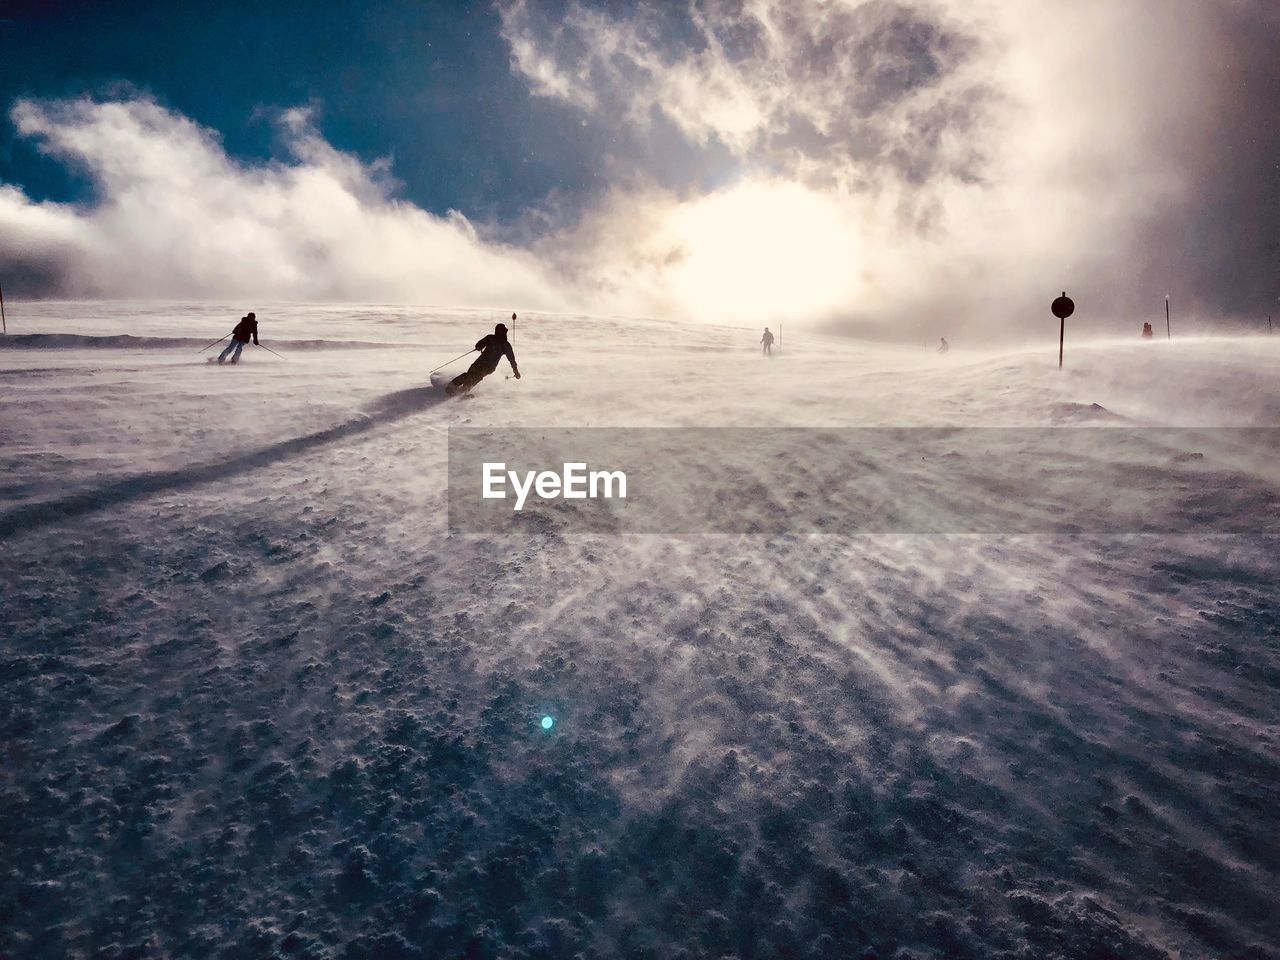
(174, 215)
(731, 255)
(842, 91)
(890, 166)
(977, 156)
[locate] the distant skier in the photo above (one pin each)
(767, 340)
(246, 328)
(1147, 332)
(943, 346)
(492, 349)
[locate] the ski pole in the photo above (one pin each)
(214, 344)
(454, 360)
(269, 350)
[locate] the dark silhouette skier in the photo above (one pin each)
(246, 328)
(767, 340)
(943, 346)
(1147, 332)
(492, 349)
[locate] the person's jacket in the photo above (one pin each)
(245, 329)
(493, 348)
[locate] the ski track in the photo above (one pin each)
(257, 701)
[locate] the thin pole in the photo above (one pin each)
(269, 350)
(4, 324)
(1168, 333)
(1062, 338)
(214, 344)
(1270, 329)
(454, 360)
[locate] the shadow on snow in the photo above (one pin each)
(387, 409)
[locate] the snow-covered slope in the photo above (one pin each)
(257, 700)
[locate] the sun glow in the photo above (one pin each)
(763, 250)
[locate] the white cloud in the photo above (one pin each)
(913, 164)
(173, 215)
(757, 250)
(834, 86)
(978, 155)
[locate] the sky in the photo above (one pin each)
(883, 167)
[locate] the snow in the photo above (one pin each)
(257, 700)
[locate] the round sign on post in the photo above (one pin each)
(1062, 308)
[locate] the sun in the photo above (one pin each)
(762, 250)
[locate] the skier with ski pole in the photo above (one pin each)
(246, 328)
(492, 349)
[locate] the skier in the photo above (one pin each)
(1147, 332)
(492, 349)
(246, 328)
(767, 340)
(943, 346)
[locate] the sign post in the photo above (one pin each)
(4, 324)
(1062, 308)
